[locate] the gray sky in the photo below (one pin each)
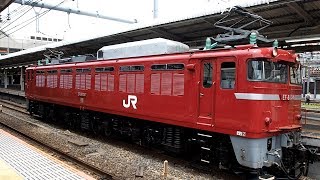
(56, 23)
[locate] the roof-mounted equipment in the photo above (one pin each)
(239, 24)
(148, 47)
(55, 57)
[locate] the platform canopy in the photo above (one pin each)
(295, 23)
(4, 4)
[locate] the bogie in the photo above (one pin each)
(204, 147)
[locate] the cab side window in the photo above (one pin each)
(207, 75)
(228, 76)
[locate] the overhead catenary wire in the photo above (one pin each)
(14, 12)
(2, 29)
(31, 20)
(19, 10)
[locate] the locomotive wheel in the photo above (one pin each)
(69, 121)
(71, 124)
(95, 127)
(51, 116)
(107, 129)
(46, 114)
(147, 138)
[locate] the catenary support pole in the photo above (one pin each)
(308, 80)
(74, 11)
(315, 89)
(22, 79)
(5, 79)
(155, 9)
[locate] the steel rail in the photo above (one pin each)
(103, 174)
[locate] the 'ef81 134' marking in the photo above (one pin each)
(287, 97)
(241, 133)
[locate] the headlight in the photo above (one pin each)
(298, 117)
(268, 121)
(275, 52)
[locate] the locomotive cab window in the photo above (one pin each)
(295, 75)
(265, 70)
(207, 75)
(228, 76)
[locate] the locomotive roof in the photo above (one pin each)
(248, 51)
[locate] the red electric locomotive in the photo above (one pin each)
(242, 102)
(233, 107)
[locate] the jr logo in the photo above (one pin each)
(132, 100)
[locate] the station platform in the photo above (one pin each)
(19, 160)
(12, 92)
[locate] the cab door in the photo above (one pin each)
(227, 106)
(206, 94)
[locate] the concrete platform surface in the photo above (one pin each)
(12, 92)
(19, 160)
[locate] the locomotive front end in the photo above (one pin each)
(271, 98)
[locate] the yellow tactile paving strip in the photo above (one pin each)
(8, 173)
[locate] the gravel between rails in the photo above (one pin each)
(120, 159)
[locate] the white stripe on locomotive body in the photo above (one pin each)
(297, 97)
(254, 96)
(266, 97)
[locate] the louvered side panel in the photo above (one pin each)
(155, 84)
(97, 81)
(166, 83)
(78, 81)
(139, 83)
(38, 81)
(82, 81)
(122, 83)
(178, 84)
(104, 80)
(49, 81)
(88, 81)
(110, 82)
(130, 83)
(70, 80)
(55, 81)
(62, 83)
(43, 81)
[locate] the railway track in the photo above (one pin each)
(12, 106)
(158, 154)
(22, 109)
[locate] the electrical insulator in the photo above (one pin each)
(253, 38)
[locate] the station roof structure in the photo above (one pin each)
(294, 21)
(4, 4)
